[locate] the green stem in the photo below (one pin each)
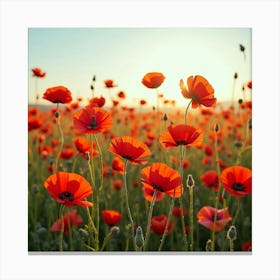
(61, 141)
(187, 112)
(127, 205)
(237, 212)
(106, 239)
(149, 221)
(70, 232)
(218, 193)
(231, 245)
(181, 201)
(167, 223)
(191, 218)
(62, 228)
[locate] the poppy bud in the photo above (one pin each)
(250, 124)
(56, 114)
(87, 155)
(216, 127)
(208, 245)
(165, 117)
(115, 230)
(35, 189)
(240, 101)
(91, 87)
(94, 78)
(154, 108)
(190, 181)
(242, 48)
(235, 76)
(238, 144)
(139, 238)
(232, 233)
(83, 233)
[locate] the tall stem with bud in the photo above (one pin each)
(190, 185)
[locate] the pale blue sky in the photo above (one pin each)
(71, 56)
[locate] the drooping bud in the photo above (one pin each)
(208, 245)
(139, 237)
(115, 230)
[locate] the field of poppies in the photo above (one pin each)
(149, 177)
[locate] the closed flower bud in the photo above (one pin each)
(232, 233)
(139, 238)
(87, 155)
(165, 117)
(83, 233)
(250, 124)
(216, 127)
(190, 181)
(208, 245)
(235, 76)
(56, 114)
(115, 230)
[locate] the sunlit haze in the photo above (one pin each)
(72, 56)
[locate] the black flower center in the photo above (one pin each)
(182, 142)
(238, 187)
(66, 196)
(93, 124)
(158, 188)
(127, 157)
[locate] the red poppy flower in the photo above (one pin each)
(109, 83)
(117, 184)
(249, 84)
(34, 122)
(59, 94)
(118, 165)
(130, 149)
(180, 134)
(237, 180)
(69, 189)
(247, 246)
(162, 178)
(199, 90)
(153, 79)
(92, 120)
(158, 224)
(143, 102)
(148, 193)
(111, 217)
(96, 102)
(67, 153)
(81, 144)
(206, 216)
(74, 220)
(208, 150)
(176, 211)
(121, 94)
(210, 179)
(37, 72)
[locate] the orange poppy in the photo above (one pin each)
(210, 179)
(149, 191)
(206, 216)
(153, 79)
(130, 149)
(92, 120)
(59, 94)
(74, 220)
(111, 217)
(37, 72)
(69, 189)
(180, 134)
(199, 90)
(162, 178)
(237, 180)
(96, 102)
(118, 165)
(158, 224)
